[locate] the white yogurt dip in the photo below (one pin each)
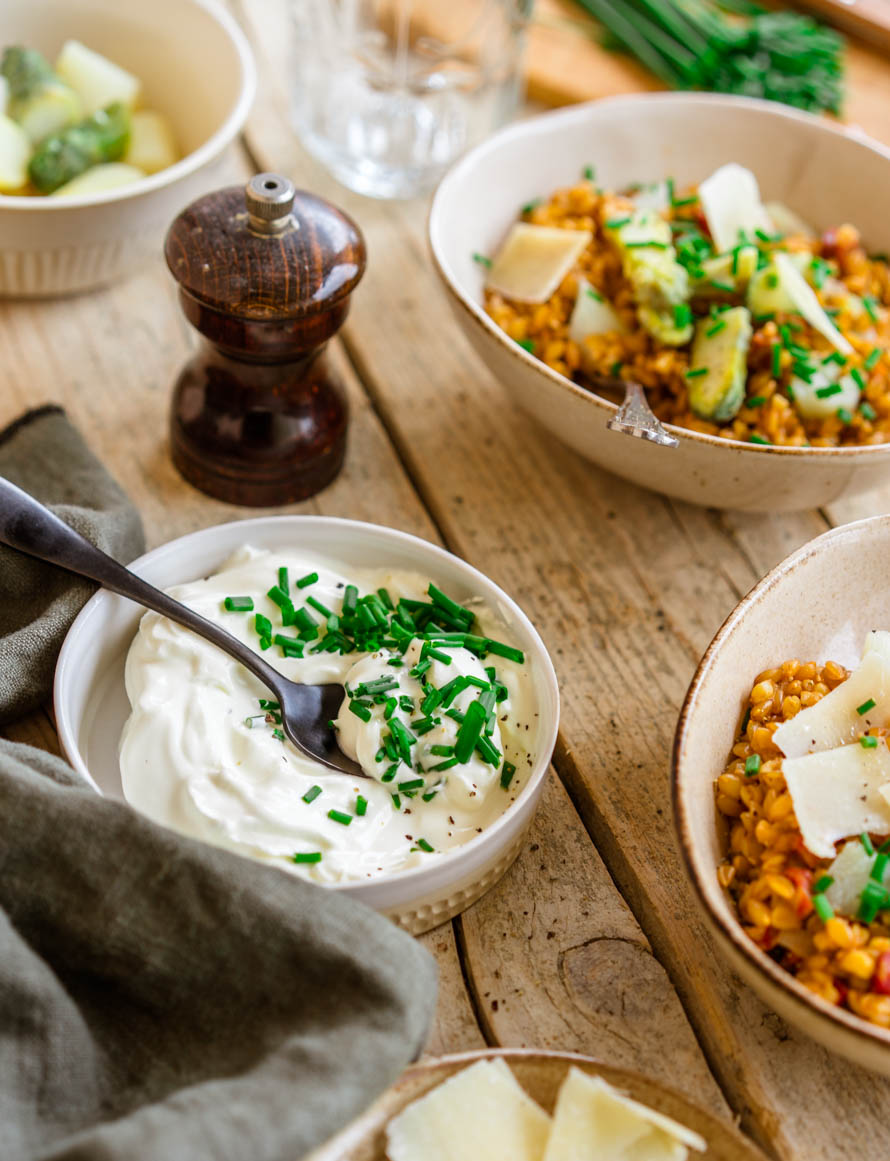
(200, 753)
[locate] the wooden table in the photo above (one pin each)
(592, 942)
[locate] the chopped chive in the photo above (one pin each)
(499, 649)
(858, 378)
(470, 729)
(390, 708)
(823, 908)
(682, 315)
(650, 245)
(446, 765)
(880, 866)
(263, 626)
(873, 359)
(319, 607)
(867, 742)
(386, 599)
(694, 372)
(616, 223)
(488, 752)
(396, 801)
(873, 899)
(867, 410)
(279, 596)
(866, 843)
(307, 857)
(389, 773)
(844, 415)
(729, 287)
(835, 357)
(532, 205)
(424, 845)
(442, 751)
(361, 806)
(424, 725)
(278, 735)
(755, 438)
(482, 260)
(716, 328)
(678, 203)
(871, 305)
(309, 579)
(507, 773)
(396, 662)
(777, 360)
(527, 345)
(283, 579)
(594, 294)
(312, 793)
(822, 884)
(360, 710)
(752, 765)
(588, 173)
(827, 392)
(411, 784)
(238, 604)
(339, 816)
(755, 401)
(866, 706)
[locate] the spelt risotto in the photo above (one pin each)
(806, 799)
(737, 317)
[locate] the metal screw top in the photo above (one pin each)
(270, 200)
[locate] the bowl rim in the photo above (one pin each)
(205, 152)
(66, 670)
(579, 112)
(730, 929)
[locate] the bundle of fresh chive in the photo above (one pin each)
(729, 46)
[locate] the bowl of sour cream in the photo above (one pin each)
(450, 706)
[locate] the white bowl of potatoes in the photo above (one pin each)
(109, 127)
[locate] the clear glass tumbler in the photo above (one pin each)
(387, 93)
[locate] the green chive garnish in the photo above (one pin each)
(396, 801)
(361, 806)
(424, 845)
(844, 415)
(823, 908)
(682, 315)
(482, 260)
(777, 360)
(312, 793)
(755, 438)
(873, 359)
(650, 245)
(263, 626)
(827, 392)
(695, 372)
(360, 710)
(594, 294)
(716, 328)
(873, 899)
(678, 203)
(309, 579)
(527, 345)
(868, 743)
(871, 305)
(411, 784)
(868, 411)
(866, 843)
(307, 857)
(755, 401)
(499, 649)
(532, 205)
(752, 765)
(729, 287)
(507, 772)
(866, 706)
(238, 604)
(339, 816)
(822, 884)
(616, 223)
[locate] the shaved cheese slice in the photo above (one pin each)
(655, 196)
(878, 641)
(480, 1112)
(851, 871)
(593, 1120)
(811, 405)
(785, 221)
(834, 720)
(730, 199)
(837, 793)
(592, 315)
(804, 298)
(534, 260)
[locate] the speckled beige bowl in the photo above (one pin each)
(825, 172)
(817, 605)
(540, 1074)
(91, 701)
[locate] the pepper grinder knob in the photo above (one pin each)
(264, 273)
(270, 202)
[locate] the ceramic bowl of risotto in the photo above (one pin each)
(808, 419)
(770, 805)
(154, 716)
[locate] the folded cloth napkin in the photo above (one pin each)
(45, 455)
(162, 1000)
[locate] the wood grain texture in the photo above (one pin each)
(627, 589)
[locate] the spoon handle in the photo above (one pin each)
(26, 525)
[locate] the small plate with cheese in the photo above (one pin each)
(522, 1105)
(782, 789)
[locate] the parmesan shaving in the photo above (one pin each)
(804, 298)
(534, 260)
(730, 199)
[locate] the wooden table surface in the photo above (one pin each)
(592, 942)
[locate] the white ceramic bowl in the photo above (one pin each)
(805, 608)
(196, 67)
(92, 707)
(827, 173)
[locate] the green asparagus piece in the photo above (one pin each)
(40, 102)
(97, 139)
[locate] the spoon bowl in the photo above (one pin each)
(306, 710)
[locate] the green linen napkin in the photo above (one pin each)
(162, 1000)
(45, 455)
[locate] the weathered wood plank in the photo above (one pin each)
(627, 588)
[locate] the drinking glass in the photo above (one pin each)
(387, 93)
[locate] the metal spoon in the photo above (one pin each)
(305, 709)
(635, 416)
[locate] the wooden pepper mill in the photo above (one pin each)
(265, 275)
